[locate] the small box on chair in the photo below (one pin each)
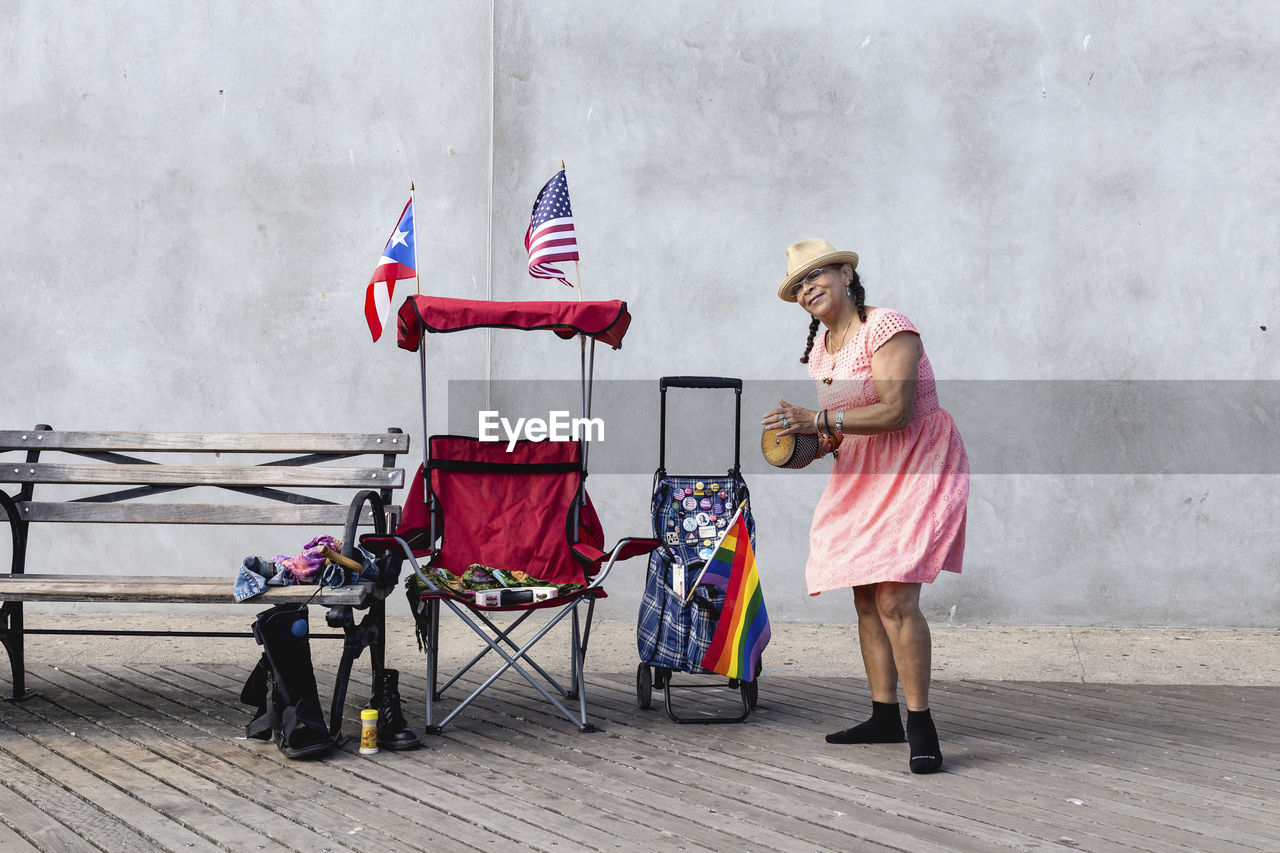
(514, 595)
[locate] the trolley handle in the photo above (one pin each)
(734, 384)
(699, 382)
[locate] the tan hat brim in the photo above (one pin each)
(831, 258)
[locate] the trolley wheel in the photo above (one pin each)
(644, 687)
(750, 692)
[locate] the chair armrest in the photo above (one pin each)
(418, 541)
(631, 546)
(626, 549)
(589, 554)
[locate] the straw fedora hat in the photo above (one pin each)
(805, 257)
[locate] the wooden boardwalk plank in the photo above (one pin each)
(781, 772)
(1030, 766)
(1156, 827)
(1041, 729)
(385, 785)
(553, 809)
(228, 812)
(686, 756)
(1066, 757)
(160, 814)
(625, 789)
(1040, 789)
(10, 840)
(36, 825)
(338, 798)
(61, 819)
(882, 769)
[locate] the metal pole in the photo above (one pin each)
(488, 269)
(422, 368)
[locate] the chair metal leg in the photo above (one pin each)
(511, 661)
(580, 668)
(433, 660)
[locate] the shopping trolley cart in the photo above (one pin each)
(677, 616)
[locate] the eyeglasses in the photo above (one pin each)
(809, 279)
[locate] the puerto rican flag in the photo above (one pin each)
(399, 261)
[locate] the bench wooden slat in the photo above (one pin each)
(202, 475)
(146, 513)
(133, 589)
(196, 442)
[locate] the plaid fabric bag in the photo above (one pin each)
(689, 514)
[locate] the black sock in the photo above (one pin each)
(926, 756)
(885, 726)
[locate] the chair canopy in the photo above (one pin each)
(604, 321)
(510, 511)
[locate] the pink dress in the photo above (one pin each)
(894, 507)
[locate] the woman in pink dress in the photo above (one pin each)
(893, 513)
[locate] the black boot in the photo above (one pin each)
(259, 690)
(293, 712)
(393, 729)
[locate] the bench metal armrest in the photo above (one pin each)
(17, 534)
(349, 531)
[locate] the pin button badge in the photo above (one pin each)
(691, 524)
(705, 503)
(699, 485)
(705, 553)
(690, 503)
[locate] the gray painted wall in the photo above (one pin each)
(195, 199)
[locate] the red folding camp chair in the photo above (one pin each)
(520, 510)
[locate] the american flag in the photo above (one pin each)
(551, 238)
(399, 261)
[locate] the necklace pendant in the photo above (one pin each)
(826, 380)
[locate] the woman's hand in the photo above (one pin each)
(828, 443)
(789, 419)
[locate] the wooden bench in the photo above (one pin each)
(123, 489)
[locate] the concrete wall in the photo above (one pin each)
(1052, 191)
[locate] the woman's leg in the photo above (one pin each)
(899, 607)
(907, 633)
(877, 650)
(885, 725)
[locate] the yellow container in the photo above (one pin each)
(368, 731)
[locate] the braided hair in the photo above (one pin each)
(859, 294)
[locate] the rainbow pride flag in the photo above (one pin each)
(743, 629)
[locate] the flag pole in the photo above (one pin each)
(422, 349)
(417, 282)
(577, 273)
